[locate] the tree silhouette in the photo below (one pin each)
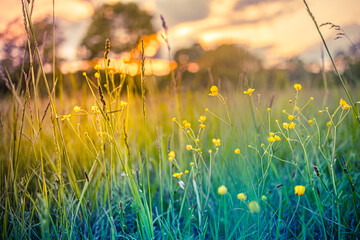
(123, 24)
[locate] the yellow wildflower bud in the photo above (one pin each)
(222, 190)
(254, 207)
(77, 109)
(292, 125)
(202, 126)
(290, 101)
(188, 147)
(290, 117)
(186, 171)
(206, 109)
(297, 108)
(237, 151)
(197, 140)
(97, 67)
(249, 146)
(97, 75)
(271, 139)
(187, 125)
(285, 125)
(297, 87)
(310, 121)
(277, 138)
(262, 145)
(299, 190)
(271, 134)
(188, 131)
(284, 111)
(173, 119)
(210, 151)
(241, 196)
(191, 164)
(328, 124)
(264, 198)
(214, 91)
(268, 109)
(84, 74)
(311, 98)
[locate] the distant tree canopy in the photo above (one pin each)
(123, 24)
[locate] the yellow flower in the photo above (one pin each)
(292, 125)
(299, 190)
(77, 109)
(283, 111)
(264, 198)
(268, 109)
(186, 124)
(173, 119)
(214, 91)
(241, 196)
(202, 126)
(95, 108)
(328, 124)
(210, 151)
(237, 151)
(97, 75)
(249, 91)
(311, 98)
(188, 147)
(186, 171)
(272, 134)
(216, 142)
(123, 104)
(310, 121)
(262, 145)
(297, 108)
(271, 139)
(84, 74)
(97, 67)
(171, 155)
(222, 190)
(177, 175)
(197, 140)
(297, 87)
(344, 104)
(254, 207)
(192, 164)
(285, 125)
(277, 138)
(65, 117)
(290, 117)
(202, 119)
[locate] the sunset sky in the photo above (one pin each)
(274, 30)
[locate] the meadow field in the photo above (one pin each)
(121, 158)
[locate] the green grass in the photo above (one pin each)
(104, 170)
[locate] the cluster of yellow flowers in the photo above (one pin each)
(216, 142)
(272, 138)
(344, 104)
(178, 175)
(186, 124)
(171, 156)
